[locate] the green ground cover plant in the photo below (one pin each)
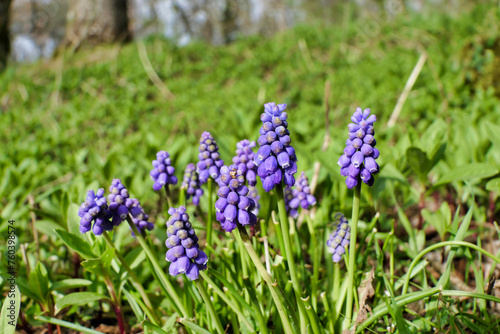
(427, 238)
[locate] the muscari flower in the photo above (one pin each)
(117, 198)
(275, 158)
(339, 239)
(300, 195)
(184, 252)
(192, 184)
(95, 210)
(358, 160)
(244, 160)
(233, 206)
(210, 161)
(162, 172)
(139, 217)
(254, 195)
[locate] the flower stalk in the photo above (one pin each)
(209, 305)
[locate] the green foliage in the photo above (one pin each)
(75, 122)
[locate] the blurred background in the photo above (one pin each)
(37, 28)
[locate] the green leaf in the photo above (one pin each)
(493, 185)
(10, 311)
(73, 222)
(418, 162)
(493, 133)
(78, 244)
(26, 290)
(70, 325)
(39, 282)
(469, 172)
(135, 257)
(99, 265)
(194, 327)
(47, 227)
(70, 283)
(79, 298)
(155, 328)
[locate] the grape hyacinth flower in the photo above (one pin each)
(192, 184)
(184, 252)
(275, 158)
(95, 209)
(244, 160)
(358, 160)
(233, 206)
(117, 197)
(162, 172)
(210, 161)
(254, 195)
(339, 239)
(300, 195)
(139, 217)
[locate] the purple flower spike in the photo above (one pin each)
(139, 217)
(95, 214)
(117, 198)
(276, 158)
(339, 239)
(184, 251)
(234, 206)
(358, 161)
(244, 160)
(299, 196)
(162, 172)
(192, 184)
(209, 162)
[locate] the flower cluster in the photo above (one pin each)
(276, 157)
(210, 161)
(192, 184)
(184, 252)
(339, 239)
(358, 160)
(162, 172)
(233, 206)
(117, 201)
(95, 209)
(244, 160)
(139, 217)
(300, 195)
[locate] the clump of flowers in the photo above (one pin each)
(139, 217)
(184, 252)
(117, 198)
(233, 206)
(299, 196)
(162, 172)
(275, 158)
(358, 160)
(95, 210)
(339, 239)
(244, 160)
(192, 184)
(210, 161)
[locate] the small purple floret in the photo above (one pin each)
(192, 184)
(162, 172)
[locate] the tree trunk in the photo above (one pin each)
(4, 32)
(97, 21)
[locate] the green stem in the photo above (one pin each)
(169, 197)
(133, 279)
(229, 303)
(163, 278)
(352, 256)
(288, 250)
(313, 316)
(316, 252)
(329, 314)
(209, 305)
(279, 235)
(273, 285)
(182, 196)
(210, 218)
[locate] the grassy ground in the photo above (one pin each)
(80, 120)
